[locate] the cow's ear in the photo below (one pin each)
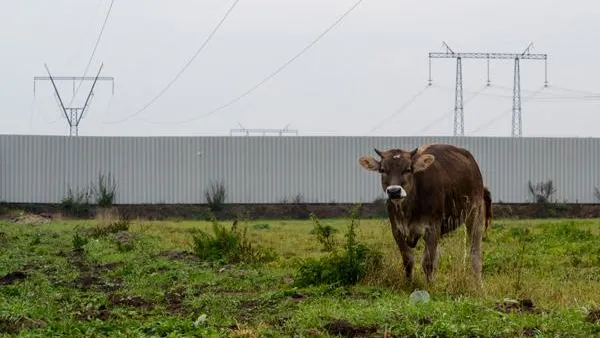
(369, 163)
(423, 162)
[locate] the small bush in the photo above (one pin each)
(597, 193)
(76, 204)
(542, 191)
(106, 190)
(324, 233)
(79, 241)
(229, 246)
(110, 228)
(124, 240)
(343, 268)
(215, 196)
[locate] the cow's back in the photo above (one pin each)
(448, 188)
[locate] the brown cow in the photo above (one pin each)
(431, 191)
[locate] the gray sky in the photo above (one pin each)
(349, 82)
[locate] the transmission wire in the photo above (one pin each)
(263, 81)
(164, 90)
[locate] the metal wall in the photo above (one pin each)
(39, 169)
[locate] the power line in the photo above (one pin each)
(576, 90)
(490, 122)
(400, 110)
(549, 96)
(443, 117)
(164, 90)
(263, 81)
(93, 51)
(82, 36)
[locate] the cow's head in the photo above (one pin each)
(397, 168)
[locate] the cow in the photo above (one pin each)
(431, 191)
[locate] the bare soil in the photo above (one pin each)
(593, 316)
(12, 277)
(347, 329)
(15, 325)
(521, 305)
(44, 212)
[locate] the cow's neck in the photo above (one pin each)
(407, 209)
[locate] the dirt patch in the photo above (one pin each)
(297, 297)
(101, 313)
(529, 332)
(302, 210)
(347, 329)
(15, 325)
(249, 304)
(593, 316)
(425, 321)
(12, 277)
(521, 305)
(178, 255)
(174, 300)
(130, 301)
(90, 275)
(31, 219)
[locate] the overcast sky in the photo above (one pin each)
(352, 80)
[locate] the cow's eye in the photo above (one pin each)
(381, 170)
(408, 170)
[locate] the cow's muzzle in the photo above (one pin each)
(395, 192)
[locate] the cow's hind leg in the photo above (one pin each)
(431, 253)
(475, 223)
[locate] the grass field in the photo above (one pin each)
(541, 278)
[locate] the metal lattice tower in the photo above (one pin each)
(73, 114)
(517, 128)
(459, 116)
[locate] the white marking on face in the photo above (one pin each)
(397, 156)
(392, 187)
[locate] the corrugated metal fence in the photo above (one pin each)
(40, 169)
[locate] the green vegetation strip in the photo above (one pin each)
(317, 278)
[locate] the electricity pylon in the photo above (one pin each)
(459, 121)
(73, 114)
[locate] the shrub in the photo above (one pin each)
(542, 191)
(215, 196)
(229, 246)
(106, 190)
(76, 204)
(343, 268)
(597, 193)
(79, 241)
(112, 227)
(324, 233)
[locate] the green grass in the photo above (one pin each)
(156, 287)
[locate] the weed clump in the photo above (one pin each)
(79, 242)
(229, 246)
(215, 196)
(324, 233)
(110, 228)
(106, 190)
(341, 267)
(76, 203)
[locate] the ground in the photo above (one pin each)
(541, 278)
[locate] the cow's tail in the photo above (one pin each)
(487, 199)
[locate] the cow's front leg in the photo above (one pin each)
(430, 253)
(408, 259)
